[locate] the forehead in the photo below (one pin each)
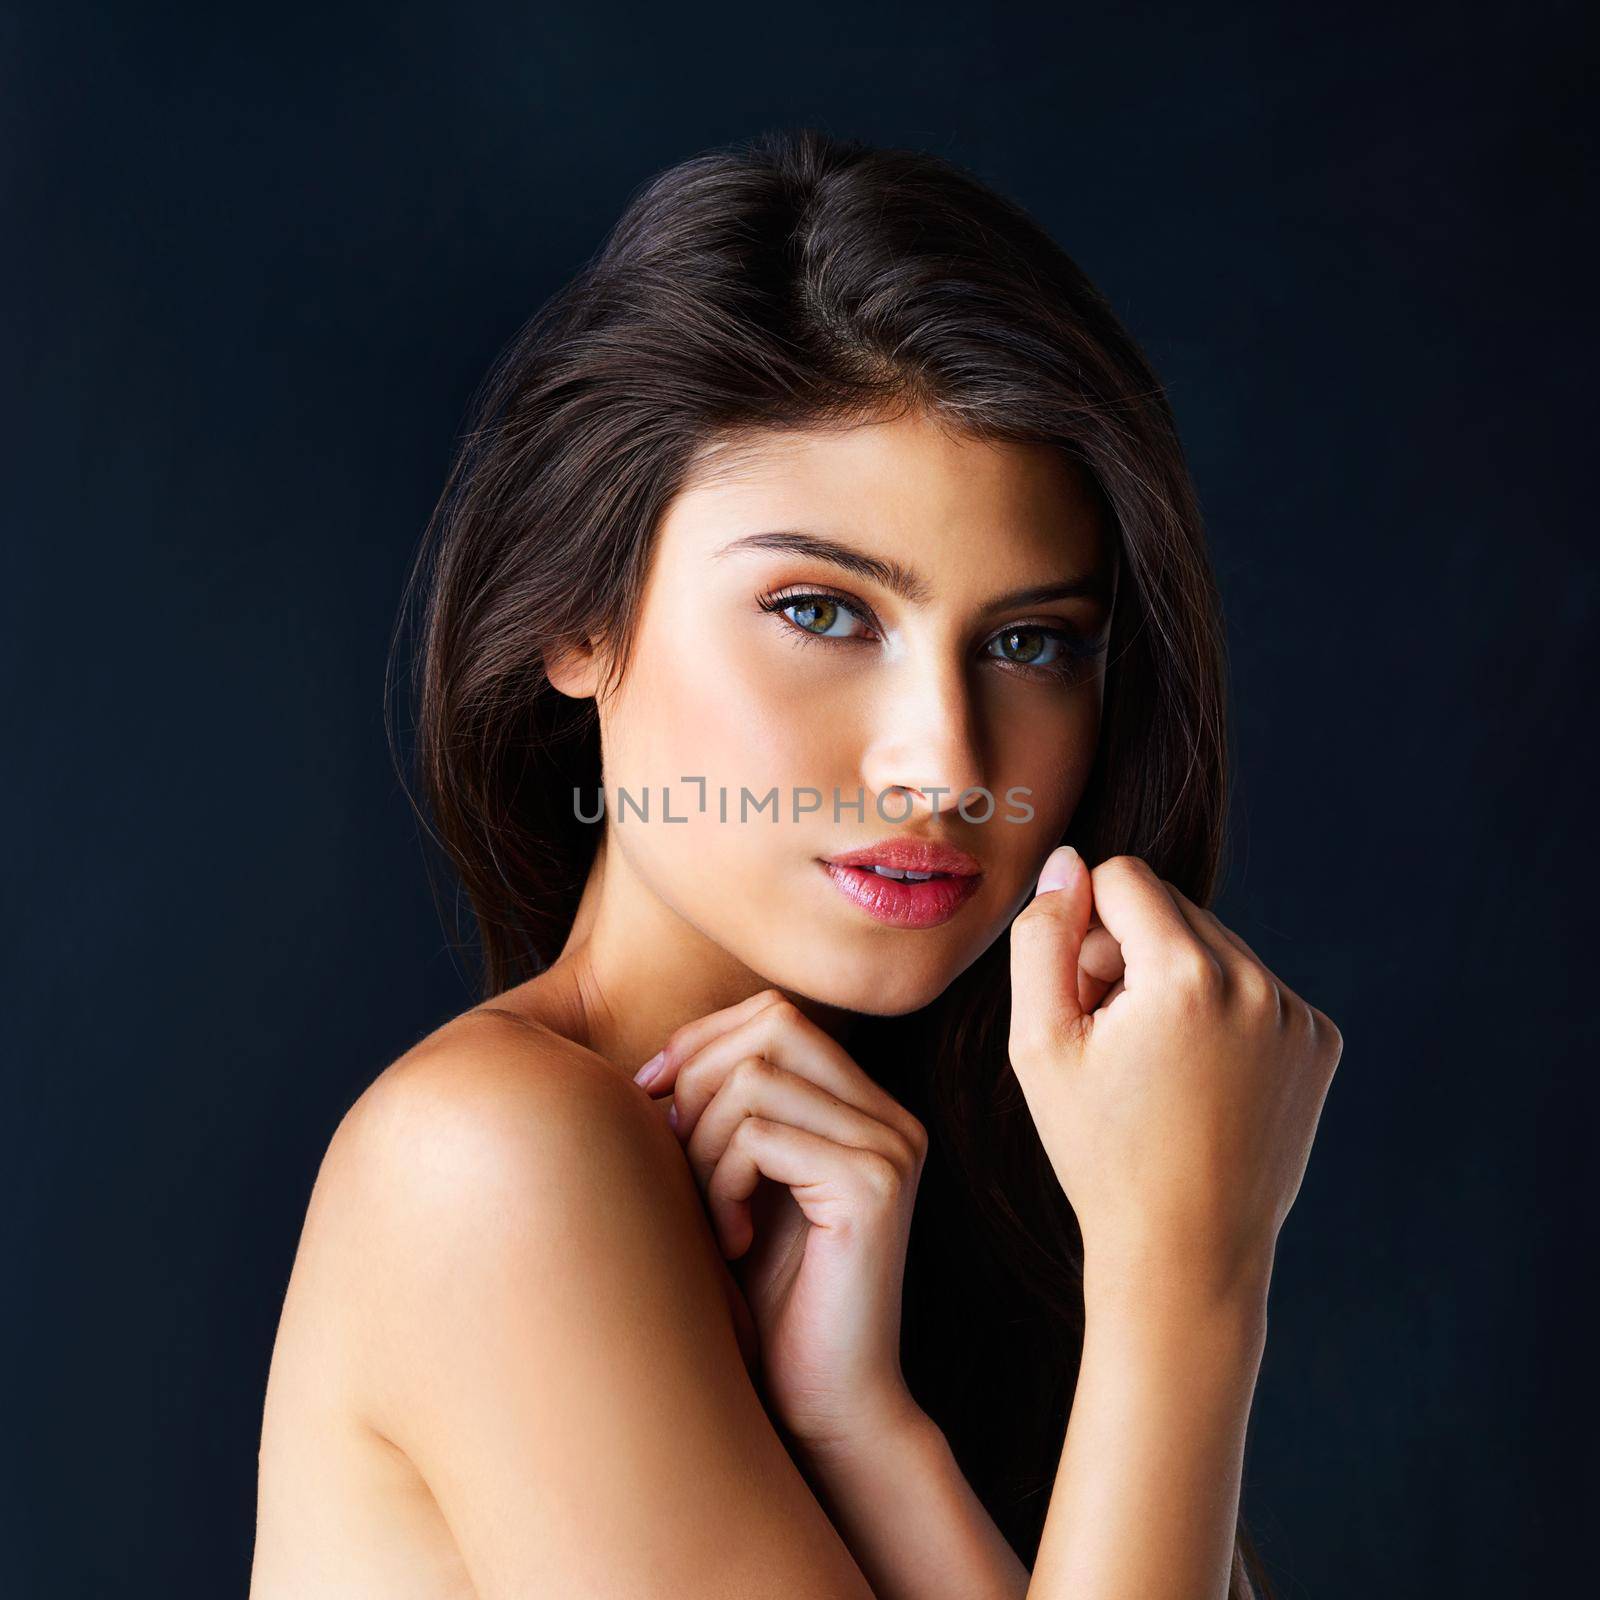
(960, 510)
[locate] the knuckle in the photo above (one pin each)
(1296, 1013)
(1258, 989)
(749, 1131)
(916, 1135)
(1194, 970)
(1280, 1002)
(902, 1152)
(1118, 866)
(1032, 921)
(693, 1071)
(782, 1013)
(748, 1071)
(878, 1175)
(1328, 1034)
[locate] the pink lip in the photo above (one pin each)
(903, 904)
(907, 854)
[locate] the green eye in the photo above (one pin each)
(817, 614)
(1034, 648)
(1053, 653)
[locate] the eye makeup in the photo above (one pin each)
(1068, 654)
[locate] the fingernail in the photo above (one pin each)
(1058, 869)
(672, 1117)
(646, 1074)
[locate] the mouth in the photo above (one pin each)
(913, 858)
(906, 883)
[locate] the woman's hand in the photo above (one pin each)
(761, 1091)
(1175, 1082)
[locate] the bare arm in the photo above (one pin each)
(911, 1519)
(539, 1326)
(547, 1339)
(1146, 1496)
(1176, 1086)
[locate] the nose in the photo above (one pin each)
(926, 740)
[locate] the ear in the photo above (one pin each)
(576, 671)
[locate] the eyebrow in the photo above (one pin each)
(902, 581)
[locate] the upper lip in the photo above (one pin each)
(911, 855)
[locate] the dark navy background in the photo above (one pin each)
(255, 262)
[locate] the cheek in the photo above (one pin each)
(703, 722)
(709, 708)
(1049, 753)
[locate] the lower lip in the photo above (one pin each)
(899, 902)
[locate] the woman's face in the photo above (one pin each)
(904, 674)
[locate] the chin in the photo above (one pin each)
(872, 982)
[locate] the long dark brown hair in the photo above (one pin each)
(801, 280)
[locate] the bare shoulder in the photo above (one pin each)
(544, 1332)
(500, 1099)
(491, 1135)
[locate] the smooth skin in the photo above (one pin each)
(514, 1357)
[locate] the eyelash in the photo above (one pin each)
(1078, 652)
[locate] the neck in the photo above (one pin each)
(632, 971)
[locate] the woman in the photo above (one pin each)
(827, 527)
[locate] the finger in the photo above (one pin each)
(1099, 966)
(1210, 927)
(831, 1183)
(1100, 955)
(783, 1035)
(1047, 938)
(1202, 925)
(1140, 913)
(659, 1074)
(755, 1087)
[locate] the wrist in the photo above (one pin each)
(1152, 1288)
(1191, 1280)
(900, 1501)
(875, 1435)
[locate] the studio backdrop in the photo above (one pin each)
(258, 264)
